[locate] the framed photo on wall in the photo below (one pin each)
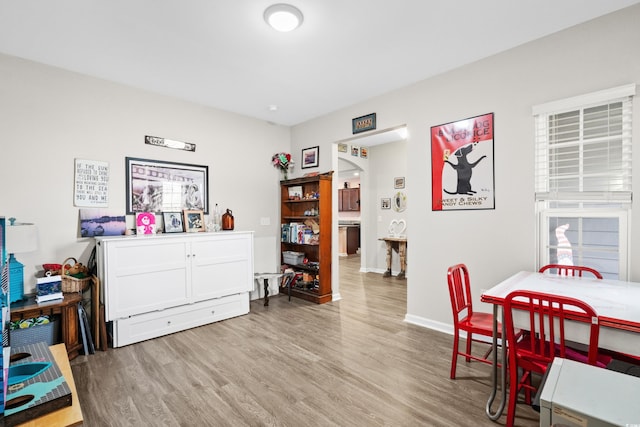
(398, 182)
(385, 203)
(158, 186)
(310, 157)
(462, 164)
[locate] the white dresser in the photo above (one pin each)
(161, 284)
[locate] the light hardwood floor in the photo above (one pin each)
(353, 362)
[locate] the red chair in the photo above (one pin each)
(545, 338)
(464, 318)
(570, 270)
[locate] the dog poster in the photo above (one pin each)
(462, 168)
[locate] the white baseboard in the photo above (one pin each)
(441, 327)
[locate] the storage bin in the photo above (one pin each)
(293, 258)
(48, 332)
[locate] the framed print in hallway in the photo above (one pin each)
(462, 164)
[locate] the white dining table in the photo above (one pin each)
(617, 303)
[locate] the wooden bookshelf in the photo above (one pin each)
(306, 204)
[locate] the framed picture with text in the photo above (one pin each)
(462, 164)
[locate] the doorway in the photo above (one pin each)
(348, 159)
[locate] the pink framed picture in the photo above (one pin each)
(145, 223)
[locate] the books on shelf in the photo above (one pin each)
(49, 297)
(299, 233)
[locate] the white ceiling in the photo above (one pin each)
(221, 53)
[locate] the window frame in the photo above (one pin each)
(602, 204)
(621, 214)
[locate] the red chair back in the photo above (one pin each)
(570, 270)
(460, 292)
(546, 316)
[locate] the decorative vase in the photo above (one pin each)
(285, 174)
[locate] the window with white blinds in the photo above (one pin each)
(583, 170)
(583, 145)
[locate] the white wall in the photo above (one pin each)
(388, 161)
(50, 117)
(493, 243)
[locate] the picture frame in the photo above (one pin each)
(102, 222)
(363, 123)
(145, 223)
(364, 153)
(355, 151)
(457, 149)
(310, 157)
(385, 203)
(398, 182)
(193, 220)
(159, 186)
(400, 201)
(172, 222)
(342, 148)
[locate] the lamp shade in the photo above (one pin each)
(22, 237)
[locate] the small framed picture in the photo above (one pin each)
(145, 223)
(310, 157)
(355, 151)
(342, 148)
(193, 221)
(398, 182)
(172, 222)
(385, 203)
(363, 152)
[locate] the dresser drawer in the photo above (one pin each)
(150, 325)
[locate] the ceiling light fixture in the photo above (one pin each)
(283, 17)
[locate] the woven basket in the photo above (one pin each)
(73, 284)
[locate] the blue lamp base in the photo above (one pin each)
(16, 279)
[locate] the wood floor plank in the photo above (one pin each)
(353, 362)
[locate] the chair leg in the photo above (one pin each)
(527, 389)
(454, 357)
(488, 352)
(469, 340)
(513, 396)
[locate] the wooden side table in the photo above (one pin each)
(67, 308)
(400, 245)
